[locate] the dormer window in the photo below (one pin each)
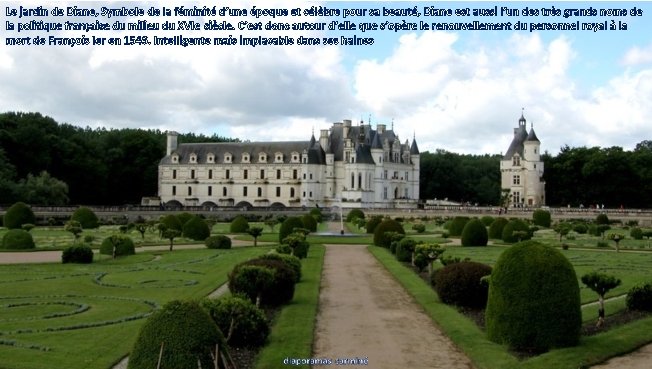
(210, 158)
(193, 158)
(278, 157)
(175, 158)
(295, 157)
(245, 157)
(262, 157)
(227, 157)
(516, 161)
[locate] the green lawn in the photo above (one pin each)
(88, 316)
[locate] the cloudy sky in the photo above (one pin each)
(459, 91)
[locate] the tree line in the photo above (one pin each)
(49, 163)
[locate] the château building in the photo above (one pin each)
(522, 169)
(354, 165)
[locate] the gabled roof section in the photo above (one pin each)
(363, 154)
(236, 149)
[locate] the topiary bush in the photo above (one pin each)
(541, 218)
(316, 213)
(373, 223)
(123, 245)
(602, 219)
(354, 213)
(277, 291)
(404, 249)
(514, 230)
(242, 322)
(17, 239)
(184, 218)
(288, 226)
(534, 299)
(580, 228)
(289, 260)
(475, 233)
(80, 254)
(487, 220)
(388, 225)
(640, 297)
(457, 226)
(496, 228)
(309, 222)
(218, 242)
(419, 228)
(461, 284)
(171, 222)
(636, 233)
(239, 224)
(86, 217)
(17, 215)
(196, 229)
(185, 332)
(298, 245)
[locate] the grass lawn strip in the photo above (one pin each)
(293, 329)
(486, 354)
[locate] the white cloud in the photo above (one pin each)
(637, 55)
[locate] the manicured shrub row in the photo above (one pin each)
(86, 218)
(461, 284)
(288, 226)
(534, 299)
(496, 228)
(457, 226)
(294, 244)
(516, 230)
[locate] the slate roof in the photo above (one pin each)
(236, 149)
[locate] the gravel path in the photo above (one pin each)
(639, 359)
(365, 314)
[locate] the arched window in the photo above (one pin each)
(352, 181)
(359, 180)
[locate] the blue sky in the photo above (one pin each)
(460, 91)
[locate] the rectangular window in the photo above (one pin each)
(310, 194)
(278, 191)
(278, 174)
(174, 190)
(385, 193)
(310, 175)
(227, 174)
(210, 190)
(210, 174)
(192, 174)
(174, 174)
(406, 175)
(516, 180)
(304, 193)
(294, 174)
(262, 174)
(223, 191)
(385, 174)
(260, 192)
(304, 175)
(245, 174)
(189, 191)
(244, 191)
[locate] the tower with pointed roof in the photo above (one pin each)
(522, 169)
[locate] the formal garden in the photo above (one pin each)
(122, 287)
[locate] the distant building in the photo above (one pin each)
(522, 169)
(356, 166)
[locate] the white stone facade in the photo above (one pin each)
(522, 169)
(356, 166)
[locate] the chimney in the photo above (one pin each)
(347, 127)
(323, 138)
(172, 142)
(380, 128)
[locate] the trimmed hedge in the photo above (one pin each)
(123, 245)
(239, 225)
(534, 299)
(640, 298)
(460, 284)
(80, 254)
(316, 213)
(602, 219)
(86, 217)
(515, 225)
(487, 220)
(354, 213)
(218, 242)
(17, 239)
(288, 226)
(496, 228)
(17, 215)
(404, 249)
(186, 332)
(457, 226)
(541, 218)
(184, 218)
(196, 229)
(309, 222)
(388, 225)
(246, 322)
(474, 233)
(636, 233)
(373, 223)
